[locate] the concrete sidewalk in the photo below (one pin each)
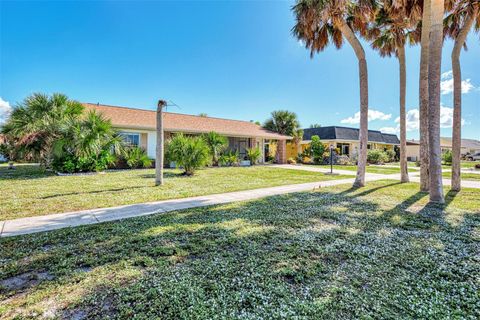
(72, 219)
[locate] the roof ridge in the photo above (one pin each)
(183, 114)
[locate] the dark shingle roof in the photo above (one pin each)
(345, 133)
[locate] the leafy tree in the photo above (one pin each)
(283, 122)
(317, 149)
(315, 125)
(190, 153)
(216, 143)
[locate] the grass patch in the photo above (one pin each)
(28, 191)
(375, 252)
(465, 176)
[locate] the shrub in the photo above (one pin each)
(477, 166)
(291, 161)
(343, 160)
(390, 155)
(229, 158)
(190, 153)
(447, 157)
(253, 155)
(136, 157)
(216, 144)
(306, 160)
(376, 156)
(317, 149)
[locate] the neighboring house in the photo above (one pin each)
(469, 146)
(138, 126)
(345, 140)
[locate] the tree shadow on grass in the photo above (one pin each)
(243, 257)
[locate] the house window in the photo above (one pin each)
(344, 148)
(131, 139)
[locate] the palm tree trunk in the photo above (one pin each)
(434, 70)
(363, 75)
(457, 101)
(159, 150)
(423, 99)
(403, 128)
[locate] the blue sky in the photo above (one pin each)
(227, 59)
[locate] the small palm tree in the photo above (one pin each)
(319, 22)
(464, 15)
(36, 125)
(216, 143)
(190, 153)
(282, 121)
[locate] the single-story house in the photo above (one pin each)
(468, 146)
(345, 140)
(138, 126)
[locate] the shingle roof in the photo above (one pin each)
(124, 117)
(345, 133)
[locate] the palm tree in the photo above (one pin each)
(459, 23)
(320, 21)
(434, 70)
(38, 124)
(282, 121)
(424, 98)
(389, 37)
(216, 143)
(297, 138)
(160, 144)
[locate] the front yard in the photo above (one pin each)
(27, 191)
(370, 169)
(337, 253)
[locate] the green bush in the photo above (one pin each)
(390, 155)
(216, 144)
(253, 155)
(447, 157)
(317, 149)
(190, 153)
(136, 157)
(229, 158)
(376, 156)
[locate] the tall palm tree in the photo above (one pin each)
(283, 122)
(320, 21)
(160, 144)
(434, 71)
(459, 23)
(424, 98)
(38, 124)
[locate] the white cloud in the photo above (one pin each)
(413, 120)
(372, 115)
(392, 130)
(446, 85)
(5, 110)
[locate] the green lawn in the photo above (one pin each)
(27, 191)
(465, 176)
(337, 253)
(370, 169)
(463, 164)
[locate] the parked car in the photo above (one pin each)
(474, 157)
